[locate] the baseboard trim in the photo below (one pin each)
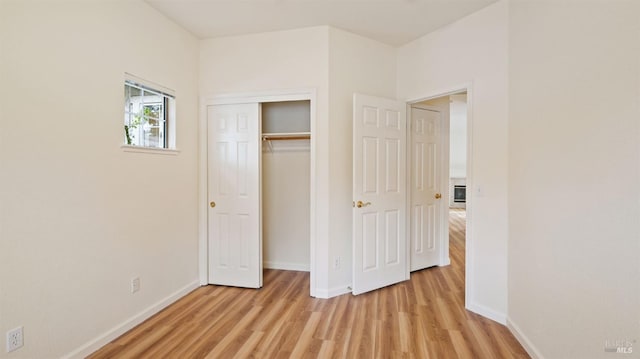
(531, 349)
(300, 267)
(487, 312)
(127, 325)
(445, 263)
(332, 292)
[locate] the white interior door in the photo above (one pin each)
(234, 233)
(426, 187)
(379, 190)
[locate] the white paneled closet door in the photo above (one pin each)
(234, 222)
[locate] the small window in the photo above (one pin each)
(147, 116)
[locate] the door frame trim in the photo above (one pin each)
(252, 97)
(469, 281)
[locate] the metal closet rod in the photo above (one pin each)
(286, 137)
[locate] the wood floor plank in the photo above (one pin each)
(246, 350)
(233, 334)
(306, 337)
(460, 345)
(420, 318)
(326, 350)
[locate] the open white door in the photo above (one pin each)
(379, 190)
(235, 245)
(426, 197)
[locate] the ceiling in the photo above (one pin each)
(394, 22)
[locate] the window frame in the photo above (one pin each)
(168, 101)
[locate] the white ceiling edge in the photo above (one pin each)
(394, 22)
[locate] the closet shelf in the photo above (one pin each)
(286, 136)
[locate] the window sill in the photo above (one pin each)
(150, 150)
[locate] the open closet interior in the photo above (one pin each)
(286, 162)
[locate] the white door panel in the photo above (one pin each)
(379, 185)
(235, 244)
(425, 182)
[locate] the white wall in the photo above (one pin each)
(458, 136)
(79, 217)
(285, 205)
(280, 61)
(356, 64)
(473, 51)
(574, 170)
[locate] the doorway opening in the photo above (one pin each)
(454, 175)
(417, 174)
(457, 177)
(286, 195)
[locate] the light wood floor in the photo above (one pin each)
(421, 318)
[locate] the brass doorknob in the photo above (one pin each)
(361, 204)
(438, 196)
(212, 204)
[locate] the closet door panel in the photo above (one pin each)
(234, 232)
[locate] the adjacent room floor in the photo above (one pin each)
(420, 318)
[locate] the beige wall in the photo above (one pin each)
(79, 217)
(574, 170)
(458, 136)
(286, 205)
(356, 64)
(473, 52)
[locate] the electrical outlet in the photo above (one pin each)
(15, 339)
(135, 284)
(336, 263)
